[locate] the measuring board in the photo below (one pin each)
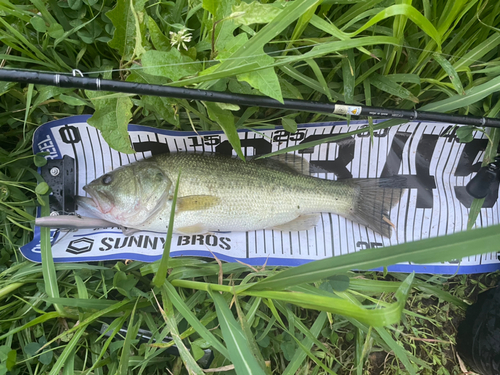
(428, 155)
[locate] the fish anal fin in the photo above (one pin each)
(192, 229)
(303, 222)
(196, 202)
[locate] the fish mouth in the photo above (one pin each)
(88, 204)
(98, 202)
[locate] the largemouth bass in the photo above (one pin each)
(219, 193)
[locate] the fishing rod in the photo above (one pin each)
(97, 84)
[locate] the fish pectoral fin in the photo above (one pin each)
(196, 202)
(192, 229)
(303, 222)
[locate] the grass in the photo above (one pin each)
(439, 56)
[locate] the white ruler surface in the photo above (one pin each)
(436, 167)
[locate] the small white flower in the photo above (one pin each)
(180, 38)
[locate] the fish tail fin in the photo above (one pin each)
(375, 198)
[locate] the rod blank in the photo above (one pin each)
(97, 84)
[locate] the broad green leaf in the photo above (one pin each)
(289, 124)
(465, 133)
(112, 116)
(127, 38)
(55, 31)
(457, 245)
(42, 188)
(46, 357)
(210, 5)
(163, 107)
(225, 119)
(229, 47)
(32, 348)
(239, 351)
(38, 24)
(254, 12)
(124, 283)
(160, 41)
(265, 79)
(339, 283)
(171, 64)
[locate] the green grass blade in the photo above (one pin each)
(250, 337)
(239, 351)
(451, 72)
(39, 320)
(489, 156)
(398, 350)
(404, 10)
(67, 352)
(161, 275)
(186, 313)
(48, 268)
(300, 355)
(304, 145)
(383, 83)
(317, 300)
(430, 250)
(349, 76)
(131, 334)
(168, 315)
(255, 45)
(471, 96)
(477, 53)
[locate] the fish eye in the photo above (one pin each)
(106, 179)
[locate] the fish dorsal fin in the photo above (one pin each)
(303, 222)
(196, 202)
(294, 163)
